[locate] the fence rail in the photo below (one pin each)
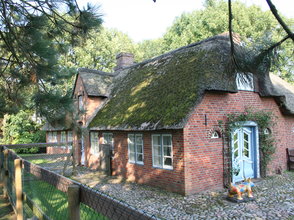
(36, 191)
(55, 144)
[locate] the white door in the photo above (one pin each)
(244, 155)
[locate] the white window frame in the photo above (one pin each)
(107, 134)
(215, 134)
(136, 149)
(81, 102)
(54, 137)
(63, 138)
(49, 139)
(245, 83)
(69, 139)
(170, 167)
(94, 142)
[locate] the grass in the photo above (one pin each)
(6, 211)
(52, 201)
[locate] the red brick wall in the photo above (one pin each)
(172, 180)
(203, 155)
(56, 150)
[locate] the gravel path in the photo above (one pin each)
(274, 199)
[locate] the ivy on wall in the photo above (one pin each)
(265, 121)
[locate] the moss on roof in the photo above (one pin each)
(96, 82)
(160, 93)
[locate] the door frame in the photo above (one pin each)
(255, 143)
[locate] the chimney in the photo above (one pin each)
(236, 37)
(123, 60)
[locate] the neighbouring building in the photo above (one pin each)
(162, 118)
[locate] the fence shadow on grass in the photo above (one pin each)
(48, 195)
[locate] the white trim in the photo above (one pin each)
(256, 134)
(94, 136)
(70, 138)
(63, 138)
(245, 82)
(162, 151)
(135, 147)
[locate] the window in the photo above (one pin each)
(52, 137)
(107, 138)
(162, 151)
(266, 131)
(69, 139)
(94, 139)
(63, 138)
(135, 145)
(245, 81)
(215, 134)
(81, 103)
(49, 137)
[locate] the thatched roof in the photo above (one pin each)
(96, 82)
(161, 93)
(285, 93)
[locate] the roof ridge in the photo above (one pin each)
(99, 72)
(219, 37)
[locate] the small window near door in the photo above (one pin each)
(266, 131)
(215, 134)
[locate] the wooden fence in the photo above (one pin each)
(81, 201)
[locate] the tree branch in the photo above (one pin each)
(279, 19)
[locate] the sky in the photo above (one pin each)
(144, 19)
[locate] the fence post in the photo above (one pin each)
(73, 192)
(1, 165)
(18, 189)
(5, 189)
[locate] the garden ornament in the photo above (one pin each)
(239, 189)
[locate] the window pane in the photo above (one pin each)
(156, 140)
(166, 140)
(54, 136)
(63, 137)
(69, 136)
(167, 161)
(157, 150)
(140, 157)
(167, 151)
(132, 156)
(139, 139)
(157, 161)
(139, 148)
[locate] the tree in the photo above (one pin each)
(258, 29)
(31, 40)
(21, 129)
(99, 50)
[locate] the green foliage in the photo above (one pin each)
(99, 50)
(264, 120)
(21, 129)
(258, 30)
(33, 36)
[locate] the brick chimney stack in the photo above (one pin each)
(123, 60)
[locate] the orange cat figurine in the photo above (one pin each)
(239, 189)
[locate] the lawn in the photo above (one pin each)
(53, 202)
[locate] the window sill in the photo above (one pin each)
(133, 162)
(163, 168)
